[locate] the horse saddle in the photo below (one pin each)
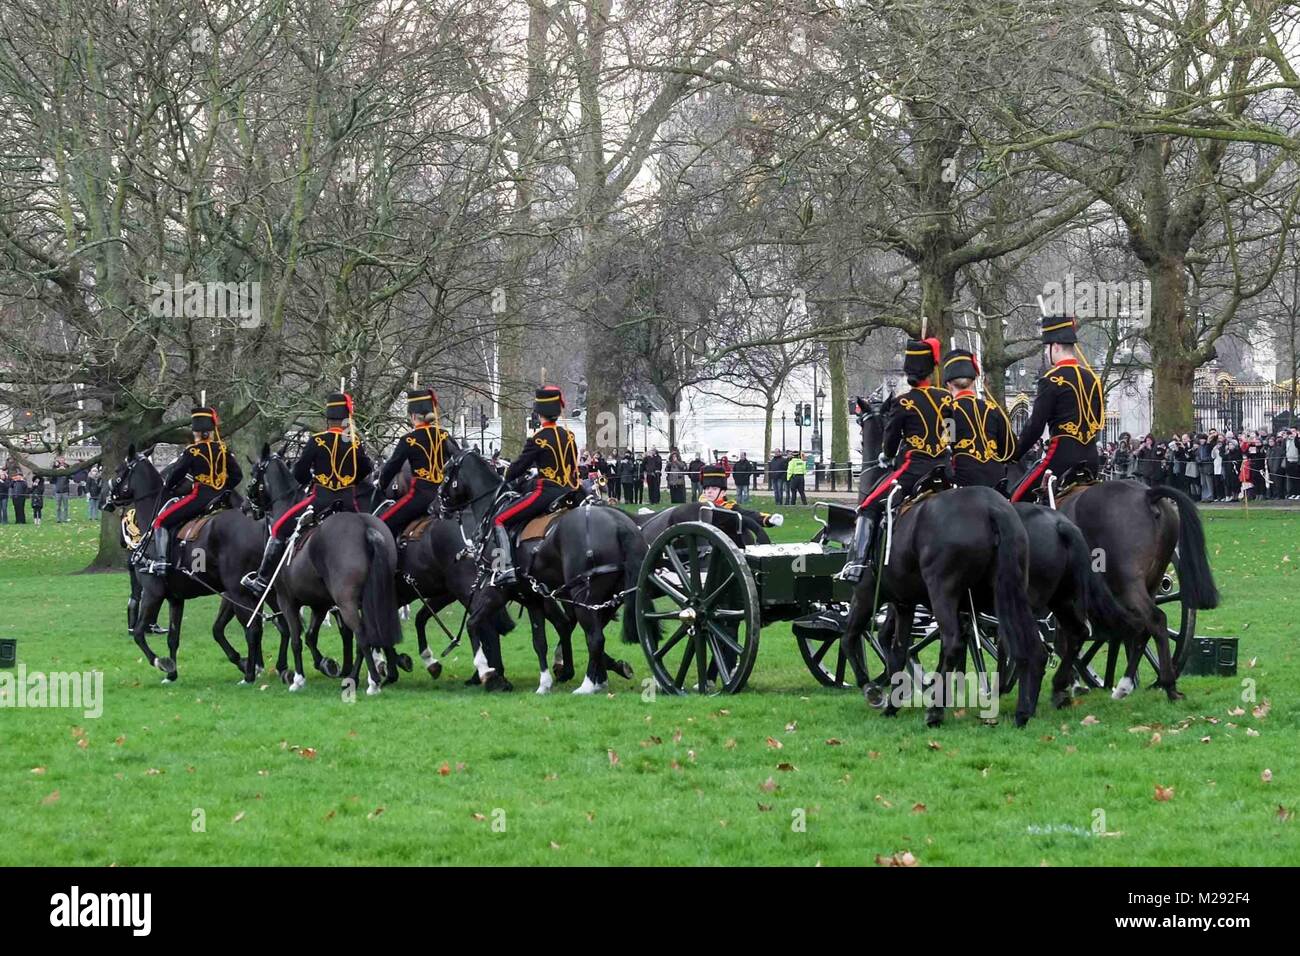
(931, 484)
(413, 530)
(537, 527)
(191, 529)
(1075, 479)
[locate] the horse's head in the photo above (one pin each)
(466, 480)
(872, 414)
(136, 478)
(271, 482)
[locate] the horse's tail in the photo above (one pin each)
(1195, 579)
(1096, 601)
(632, 545)
(1010, 599)
(380, 626)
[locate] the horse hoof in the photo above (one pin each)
(167, 666)
(1175, 694)
(373, 689)
(1062, 699)
(298, 683)
(933, 718)
(330, 667)
(545, 683)
(875, 696)
(496, 682)
(404, 662)
(624, 670)
(1122, 689)
(169, 679)
(1022, 719)
(286, 676)
(474, 680)
(562, 674)
(435, 670)
(587, 687)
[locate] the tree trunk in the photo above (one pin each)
(111, 556)
(839, 402)
(937, 287)
(1173, 362)
(769, 413)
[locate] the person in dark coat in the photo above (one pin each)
(38, 498)
(654, 467)
(4, 495)
(776, 476)
(627, 476)
(695, 467)
(18, 495)
(742, 473)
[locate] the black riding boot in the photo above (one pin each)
(156, 561)
(862, 552)
(502, 557)
(261, 580)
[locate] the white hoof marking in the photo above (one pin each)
(1122, 689)
(371, 687)
(545, 682)
(587, 687)
(298, 683)
(426, 655)
(481, 664)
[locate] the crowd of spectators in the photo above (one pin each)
(1212, 466)
(23, 490)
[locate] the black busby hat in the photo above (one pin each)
(1060, 330)
(338, 407)
(960, 363)
(547, 401)
(420, 401)
(713, 476)
(203, 419)
(920, 357)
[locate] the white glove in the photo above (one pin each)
(882, 461)
(776, 520)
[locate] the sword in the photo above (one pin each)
(288, 550)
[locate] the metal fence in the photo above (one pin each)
(1226, 405)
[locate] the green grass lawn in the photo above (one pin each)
(205, 771)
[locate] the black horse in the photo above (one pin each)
(347, 562)
(947, 551)
(580, 573)
(1134, 530)
(228, 547)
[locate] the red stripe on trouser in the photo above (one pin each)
(399, 503)
(519, 506)
(291, 513)
(1037, 473)
(883, 485)
(194, 493)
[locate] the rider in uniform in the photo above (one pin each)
(1069, 404)
(332, 464)
(206, 462)
(915, 436)
(981, 431)
(552, 451)
(425, 447)
(713, 489)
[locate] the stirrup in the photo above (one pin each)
(254, 583)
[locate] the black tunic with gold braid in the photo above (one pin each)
(554, 453)
(982, 442)
(212, 469)
(1071, 407)
(915, 437)
(426, 449)
(332, 465)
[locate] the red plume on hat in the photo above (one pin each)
(935, 347)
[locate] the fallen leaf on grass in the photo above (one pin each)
(918, 808)
(1236, 712)
(308, 753)
(1089, 721)
(1266, 776)
(902, 858)
(50, 799)
(792, 726)
(774, 743)
(153, 772)
(833, 742)
(444, 770)
(730, 744)
(120, 740)
(39, 771)
(376, 812)
(238, 816)
(613, 758)
(768, 785)
(1164, 794)
(785, 766)
(1252, 732)
(883, 802)
(764, 807)
(1284, 815)
(934, 745)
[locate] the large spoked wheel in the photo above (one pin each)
(819, 639)
(1180, 625)
(697, 611)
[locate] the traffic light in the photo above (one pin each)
(807, 413)
(534, 422)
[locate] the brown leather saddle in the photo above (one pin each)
(929, 486)
(191, 529)
(413, 530)
(537, 527)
